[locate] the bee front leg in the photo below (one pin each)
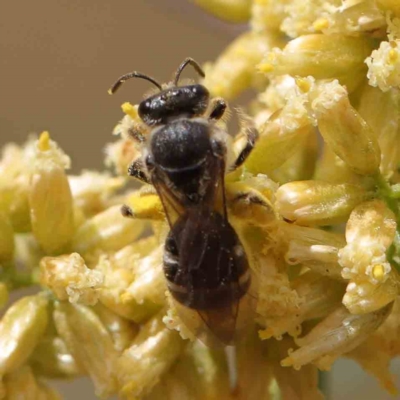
(244, 143)
(138, 170)
(218, 107)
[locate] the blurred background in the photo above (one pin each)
(57, 60)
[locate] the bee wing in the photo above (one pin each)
(173, 207)
(213, 260)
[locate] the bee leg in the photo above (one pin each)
(244, 144)
(218, 108)
(126, 211)
(219, 151)
(138, 170)
(136, 135)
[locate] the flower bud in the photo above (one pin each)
(322, 347)
(69, 278)
(317, 297)
(281, 88)
(231, 10)
(279, 138)
(52, 359)
(91, 190)
(292, 383)
(278, 305)
(11, 163)
(301, 164)
(108, 231)
(6, 238)
(267, 15)
(330, 168)
(362, 296)
(385, 122)
(313, 248)
(318, 203)
(321, 56)
(384, 66)
(151, 355)
(130, 254)
(200, 374)
(21, 384)
(14, 203)
(369, 233)
(50, 198)
(353, 18)
(149, 283)
(121, 330)
(305, 17)
(89, 343)
(21, 328)
(390, 5)
(233, 72)
(344, 130)
(117, 279)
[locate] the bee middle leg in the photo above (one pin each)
(138, 170)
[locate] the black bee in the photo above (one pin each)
(185, 158)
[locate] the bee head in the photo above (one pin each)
(171, 103)
(179, 101)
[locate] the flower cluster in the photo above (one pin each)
(316, 206)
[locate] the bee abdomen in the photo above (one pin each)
(205, 298)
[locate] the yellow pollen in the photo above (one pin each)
(303, 84)
(109, 91)
(320, 24)
(287, 362)
(265, 334)
(378, 272)
(393, 56)
(130, 110)
(44, 141)
(265, 68)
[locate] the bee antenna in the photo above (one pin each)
(184, 63)
(130, 75)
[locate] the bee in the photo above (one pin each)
(185, 156)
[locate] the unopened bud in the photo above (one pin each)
(50, 198)
(318, 203)
(108, 231)
(90, 344)
(321, 56)
(21, 328)
(233, 71)
(344, 130)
